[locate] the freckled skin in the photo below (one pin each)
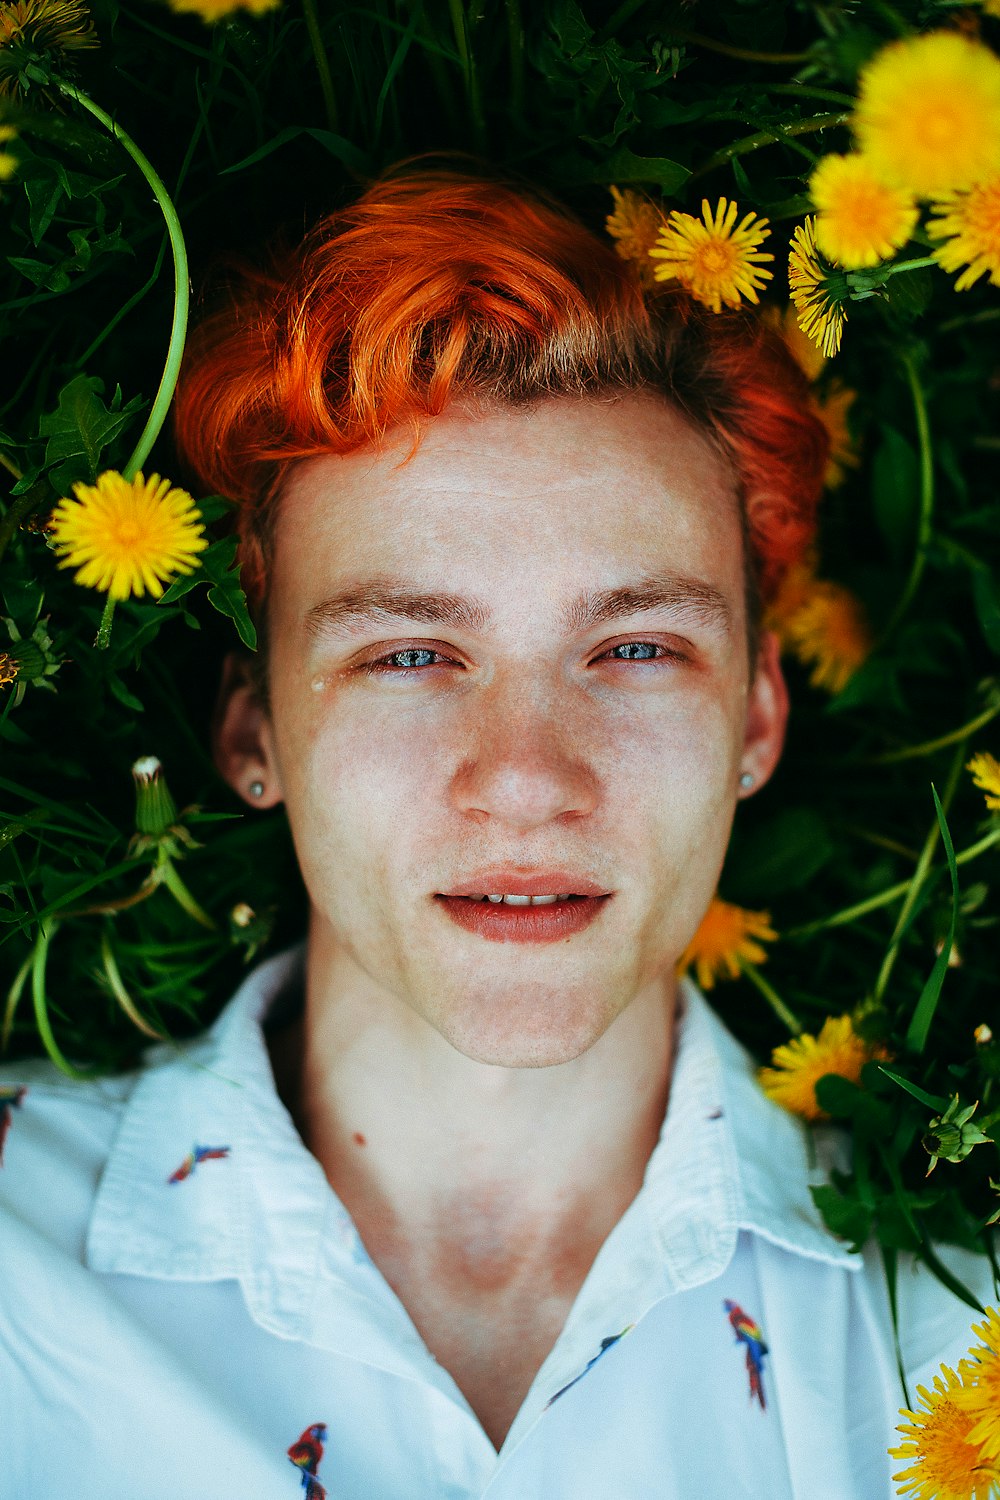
(510, 1094)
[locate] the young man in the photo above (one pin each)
(468, 1195)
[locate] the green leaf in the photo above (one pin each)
(80, 429)
(784, 853)
(218, 566)
(345, 151)
(896, 494)
(845, 1217)
(923, 1015)
(986, 598)
(622, 165)
(933, 1101)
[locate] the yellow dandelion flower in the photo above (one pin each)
(830, 633)
(217, 10)
(985, 770)
(980, 1398)
(832, 406)
(39, 30)
(861, 220)
(715, 259)
(727, 935)
(928, 115)
(8, 162)
(945, 1463)
(821, 315)
(127, 536)
(634, 225)
(798, 1065)
(969, 224)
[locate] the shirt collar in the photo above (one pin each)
(728, 1159)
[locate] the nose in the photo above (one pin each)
(528, 760)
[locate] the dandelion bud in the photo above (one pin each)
(982, 1034)
(952, 1135)
(242, 915)
(155, 809)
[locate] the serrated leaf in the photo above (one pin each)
(219, 568)
(80, 429)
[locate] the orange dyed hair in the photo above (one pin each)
(439, 285)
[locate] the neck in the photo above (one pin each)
(412, 1133)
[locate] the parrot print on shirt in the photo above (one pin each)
(195, 1155)
(306, 1453)
(11, 1095)
(749, 1334)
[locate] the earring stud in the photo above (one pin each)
(746, 780)
(256, 789)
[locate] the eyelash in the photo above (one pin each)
(380, 666)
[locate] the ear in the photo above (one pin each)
(242, 736)
(767, 716)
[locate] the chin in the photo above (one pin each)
(524, 1045)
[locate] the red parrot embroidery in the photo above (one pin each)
(748, 1332)
(306, 1453)
(195, 1155)
(11, 1095)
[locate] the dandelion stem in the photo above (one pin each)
(178, 330)
(926, 500)
(885, 898)
(322, 62)
(744, 54)
(768, 138)
(928, 747)
(38, 962)
(103, 637)
(13, 998)
(121, 994)
(772, 997)
(919, 877)
(168, 876)
(10, 466)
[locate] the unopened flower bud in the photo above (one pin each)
(155, 809)
(982, 1034)
(242, 915)
(952, 1135)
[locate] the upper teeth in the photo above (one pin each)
(523, 900)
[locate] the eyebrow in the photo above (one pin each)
(386, 598)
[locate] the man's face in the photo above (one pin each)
(521, 735)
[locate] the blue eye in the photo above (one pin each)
(635, 646)
(402, 660)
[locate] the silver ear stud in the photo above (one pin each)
(746, 780)
(256, 789)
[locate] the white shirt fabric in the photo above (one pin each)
(173, 1339)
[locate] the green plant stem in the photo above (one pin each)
(744, 54)
(515, 40)
(178, 331)
(121, 994)
(768, 138)
(626, 10)
(806, 91)
(103, 636)
(10, 466)
(926, 501)
(928, 747)
(38, 963)
(772, 997)
(919, 877)
(13, 997)
(168, 876)
(468, 62)
(322, 62)
(885, 898)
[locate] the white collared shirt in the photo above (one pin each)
(184, 1299)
